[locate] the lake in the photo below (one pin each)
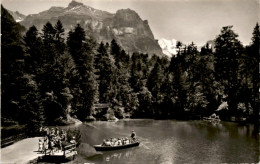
(170, 141)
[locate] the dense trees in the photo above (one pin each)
(13, 55)
(47, 80)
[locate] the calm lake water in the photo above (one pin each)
(170, 141)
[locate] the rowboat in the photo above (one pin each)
(109, 148)
(212, 118)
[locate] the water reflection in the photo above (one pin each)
(118, 156)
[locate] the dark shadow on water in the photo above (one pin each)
(110, 156)
(52, 159)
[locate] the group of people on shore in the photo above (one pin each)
(53, 139)
(120, 141)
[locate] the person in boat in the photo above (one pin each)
(126, 141)
(133, 135)
(123, 140)
(113, 141)
(119, 141)
(106, 143)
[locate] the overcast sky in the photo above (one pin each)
(184, 20)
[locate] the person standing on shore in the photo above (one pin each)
(40, 146)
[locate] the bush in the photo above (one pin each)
(119, 112)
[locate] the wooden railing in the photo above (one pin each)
(69, 150)
(12, 139)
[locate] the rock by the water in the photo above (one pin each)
(90, 118)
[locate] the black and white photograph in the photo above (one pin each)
(130, 81)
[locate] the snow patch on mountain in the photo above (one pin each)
(19, 19)
(168, 47)
(73, 8)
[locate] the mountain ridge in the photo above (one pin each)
(125, 26)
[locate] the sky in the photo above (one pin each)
(185, 20)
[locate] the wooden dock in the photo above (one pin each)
(68, 153)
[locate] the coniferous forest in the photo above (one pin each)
(49, 76)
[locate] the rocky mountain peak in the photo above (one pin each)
(126, 11)
(127, 18)
(56, 9)
(126, 26)
(74, 3)
(127, 14)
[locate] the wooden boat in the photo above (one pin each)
(109, 148)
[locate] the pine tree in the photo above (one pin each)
(179, 86)
(196, 100)
(82, 51)
(34, 46)
(59, 37)
(116, 52)
(254, 56)
(139, 71)
(228, 48)
(31, 108)
(208, 81)
(64, 71)
(106, 70)
(155, 80)
(48, 34)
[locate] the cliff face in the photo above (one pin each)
(125, 26)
